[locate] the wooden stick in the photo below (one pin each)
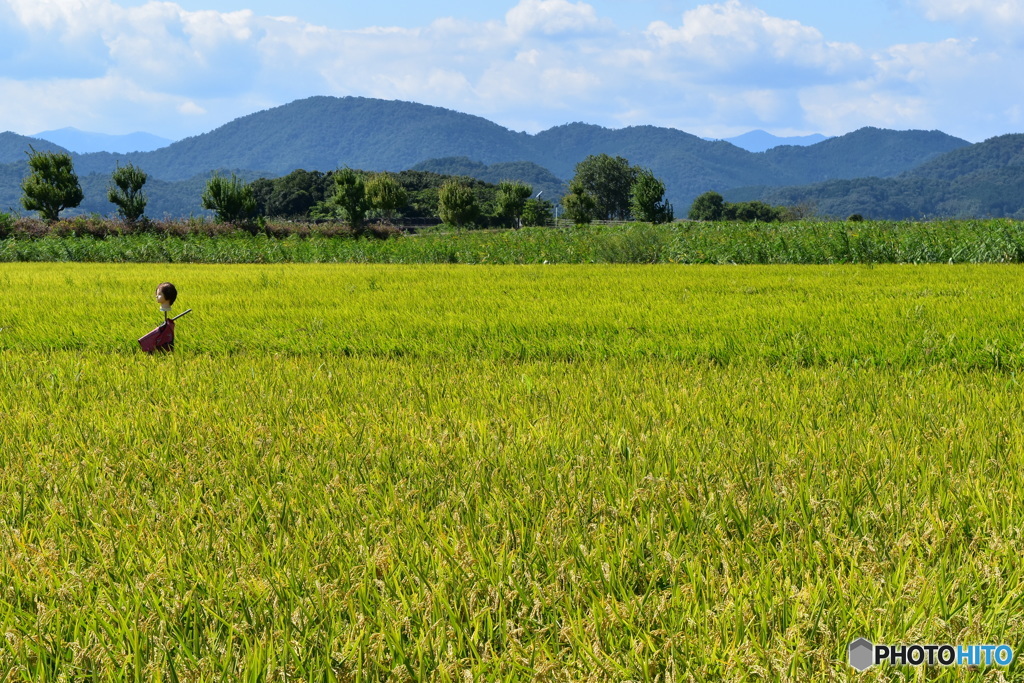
(180, 314)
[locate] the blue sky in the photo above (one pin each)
(183, 67)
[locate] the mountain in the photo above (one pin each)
(687, 164)
(84, 142)
(982, 180)
(760, 141)
(10, 187)
(325, 133)
(1005, 152)
(14, 146)
(863, 153)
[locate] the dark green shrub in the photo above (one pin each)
(348, 200)
(457, 205)
(538, 212)
(579, 204)
(85, 226)
(382, 230)
(709, 206)
(647, 199)
(511, 201)
(636, 243)
(230, 198)
(748, 212)
(386, 195)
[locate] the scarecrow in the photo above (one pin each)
(162, 338)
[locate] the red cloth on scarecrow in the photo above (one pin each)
(160, 339)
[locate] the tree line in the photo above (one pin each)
(711, 206)
(603, 188)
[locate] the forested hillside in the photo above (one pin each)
(14, 146)
(982, 180)
(325, 133)
(868, 152)
(1003, 152)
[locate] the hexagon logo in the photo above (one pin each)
(862, 654)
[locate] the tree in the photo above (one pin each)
(230, 198)
(457, 204)
(609, 180)
(349, 199)
(748, 212)
(291, 196)
(126, 192)
(52, 185)
(511, 200)
(537, 212)
(709, 206)
(647, 199)
(579, 204)
(386, 195)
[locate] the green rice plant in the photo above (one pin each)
(357, 517)
(886, 316)
(367, 472)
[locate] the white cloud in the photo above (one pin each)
(528, 57)
(997, 13)
(102, 104)
(551, 17)
(424, 85)
(950, 85)
(946, 62)
(765, 105)
(51, 14)
(837, 110)
(190, 108)
(733, 35)
(727, 66)
(158, 44)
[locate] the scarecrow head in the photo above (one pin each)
(165, 295)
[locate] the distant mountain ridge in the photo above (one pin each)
(325, 133)
(762, 141)
(978, 181)
(85, 142)
(872, 151)
(13, 147)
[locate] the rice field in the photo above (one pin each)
(607, 473)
